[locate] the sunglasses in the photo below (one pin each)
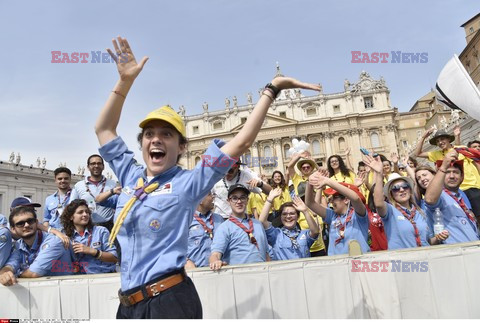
(396, 188)
(242, 199)
(21, 224)
(289, 213)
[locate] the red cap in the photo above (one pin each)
(457, 162)
(331, 191)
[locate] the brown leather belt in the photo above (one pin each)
(151, 290)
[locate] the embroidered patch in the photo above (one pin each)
(463, 221)
(164, 189)
(154, 225)
(45, 246)
(3, 238)
(97, 244)
(303, 237)
(400, 217)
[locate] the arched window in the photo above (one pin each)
(341, 144)
(197, 159)
(286, 152)
(316, 147)
(247, 158)
(375, 140)
(267, 151)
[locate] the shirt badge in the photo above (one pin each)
(164, 189)
(303, 237)
(45, 246)
(3, 238)
(96, 244)
(127, 190)
(154, 225)
(400, 217)
(463, 221)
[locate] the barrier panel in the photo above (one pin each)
(432, 282)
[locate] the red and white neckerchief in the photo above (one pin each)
(104, 180)
(342, 226)
(207, 230)
(462, 205)
(410, 217)
(248, 231)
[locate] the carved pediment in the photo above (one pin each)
(367, 83)
(271, 120)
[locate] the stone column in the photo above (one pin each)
(277, 143)
(255, 158)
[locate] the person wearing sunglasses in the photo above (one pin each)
(299, 168)
(289, 241)
(90, 248)
(240, 239)
(235, 175)
(36, 252)
(404, 221)
(5, 241)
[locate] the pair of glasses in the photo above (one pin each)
(306, 167)
(334, 161)
(232, 170)
(21, 224)
(289, 213)
(235, 199)
(396, 188)
(95, 164)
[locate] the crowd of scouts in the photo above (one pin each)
(160, 219)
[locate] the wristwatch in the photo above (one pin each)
(272, 87)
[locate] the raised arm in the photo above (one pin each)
(128, 69)
(457, 132)
(419, 150)
(268, 205)
(376, 165)
(312, 225)
(357, 203)
(435, 188)
(316, 180)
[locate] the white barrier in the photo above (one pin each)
(324, 287)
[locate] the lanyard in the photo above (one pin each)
(463, 206)
(236, 182)
(412, 221)
(34, 256)
(67, 196)
(208, 230)
(104, 180)
(249, 231)
(342, 226)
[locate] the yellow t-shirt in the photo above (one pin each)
(471, 178)
(342, 178)
(297, 179)
(283, 198)
(318, 244)
(256, 201)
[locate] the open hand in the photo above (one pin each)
(283, 83)
(127, 66)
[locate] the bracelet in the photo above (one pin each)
(442, 170)
(99, 254)
(271, 97)
(271, 202)
(260, 184)
(49, 229)
(274, 89)
(112, 192)
(118, 93)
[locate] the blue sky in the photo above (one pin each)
(200, 51)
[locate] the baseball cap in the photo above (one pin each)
(331, 191)
(167, 114)
(23, 201)
(238, 187)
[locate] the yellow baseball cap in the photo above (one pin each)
(166, 113)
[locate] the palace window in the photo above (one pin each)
(341, 144)
(316, 147)
(218, 125)
(243, 120)
(267, 151)
(336, 109)
(311, 112)
(368, 101)
(286, 152)
(195, 130)
(375, 140)
(197, 159)
(283, 114)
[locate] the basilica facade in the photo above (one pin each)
(360, 116)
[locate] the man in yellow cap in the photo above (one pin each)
(152, 219)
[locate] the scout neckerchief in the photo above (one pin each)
(341, 227)
(208, 230)
(248, 231)
(104, 180)
(78, 258)
(292, 235)
(471, 153)
(463, 206)
(26, 259)
(141, 192)
(238, 179)
(411, 217)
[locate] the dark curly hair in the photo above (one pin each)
(343, 168)
(282, 181)
(67, 223)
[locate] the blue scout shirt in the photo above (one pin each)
(356, 229)
(98, 241)
(86, 190)
(283, 247)
(54, 206)
(459, 226)
(399, 230)
(154, 236)
(235, 246)
(5, 241)
(199, 241)
(50, 258)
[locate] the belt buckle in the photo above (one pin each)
(124, 300)
(153, 289)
